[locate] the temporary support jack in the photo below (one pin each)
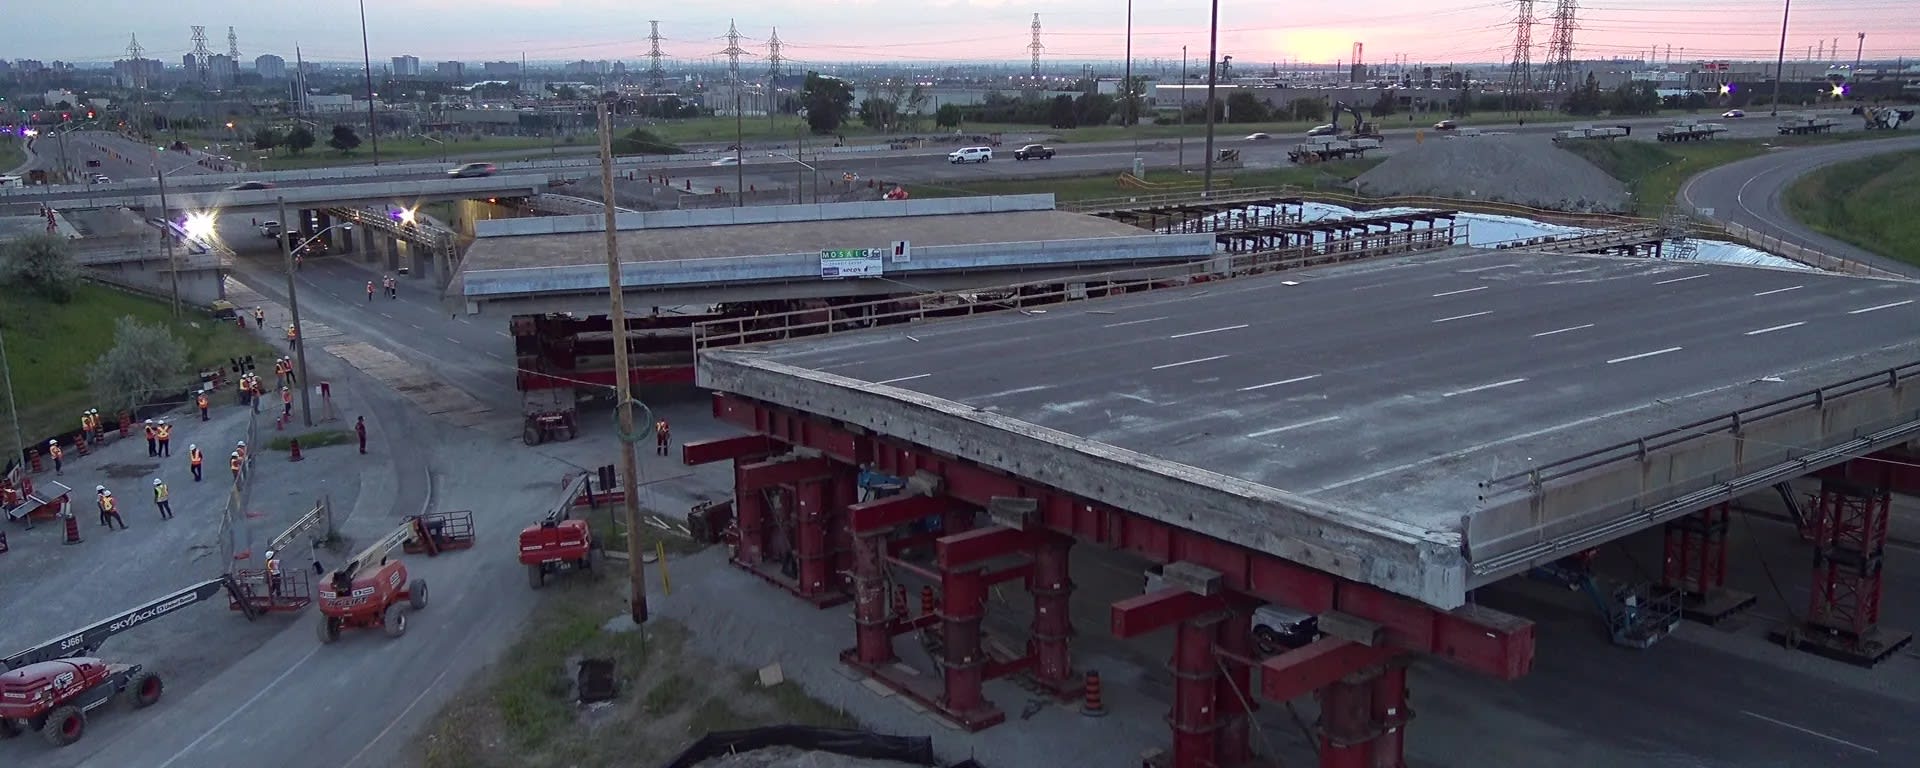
(785, 508)
(1849, 543)
(1696, 564)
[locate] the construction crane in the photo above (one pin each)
(1362, 127)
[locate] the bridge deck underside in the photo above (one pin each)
(1344, 416)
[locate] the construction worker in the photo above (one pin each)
(661, 433)
(259, 318)
(100, 502)
(160, 499)
(259, 391)
(86, 426)
(234, 464)
(109, 509)
(193, 460)
(53, 450)
(360, 431)
(241, 448)
(201, 401)
(369, 291)
(153, 439)
(99, 427)
(286, 399)
(292, 378)
(293, 336)
(164, 432)
(273, 574)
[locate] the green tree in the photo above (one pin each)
(877, 113)
(1384, 105)
(42, 264)
(1060, 114)
(344, 139)
(299, 139)
(948, 116)
(640, 141)
(265, 139)
(1243, 107)
(916, 106)
(1305, 109)
(829, 100)
(144, 360)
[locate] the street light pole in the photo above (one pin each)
(1183, 108)
(293, 306)
(166, 231)
(1213, 76)
(739, 151)
(623, 383)
(373, 128)
(13, 411)
(1780, 65)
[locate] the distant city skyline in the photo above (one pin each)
(821, 31)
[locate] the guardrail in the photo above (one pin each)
(1038, 293)
(1731, 423)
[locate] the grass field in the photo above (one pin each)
(12, 153)
(1069, 189)
(49, 347)
(1869, 202)
(522, 715)
(397, 149)
(1654, 172)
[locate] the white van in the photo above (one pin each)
(971, 155)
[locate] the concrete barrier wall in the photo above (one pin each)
(791, 267)
(1619, 491)
(198, 287)
(767, 214)
(330, 195)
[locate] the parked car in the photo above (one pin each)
(269, 228)
(473, 170)
(970, 155)
(1445, 125)
(1733, 114)
(1276, 628)
(1264, 136)
(250, 185)
(1324, 130)
(1033, 152)
(725, 161)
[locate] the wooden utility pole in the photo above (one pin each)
(623, 386)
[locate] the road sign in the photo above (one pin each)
(851, 262)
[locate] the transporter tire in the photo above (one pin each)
(417, 594)
(395, 620)
(64, 726)
(329, 629)
(146, 688)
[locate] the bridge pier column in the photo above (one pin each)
(369, 250)
(1696, 564)
(321, 221)
(1849, 547)
(392, 249)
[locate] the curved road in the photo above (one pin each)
(1749, 193)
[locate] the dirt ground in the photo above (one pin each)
(523, 711)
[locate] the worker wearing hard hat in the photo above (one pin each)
(273, 573)
(53, 450)
(234, 464)
(153, 439)
(164, 432)
(160, 499)
(193, 460)
(110, 510)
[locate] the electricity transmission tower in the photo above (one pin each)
(233, 47)
(1560, 48)
(774, 59)
(200, 53)
(1520, 62)
(656, 75)
(134, 51)
(1035, 47)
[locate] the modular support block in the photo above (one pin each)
(1696, 564)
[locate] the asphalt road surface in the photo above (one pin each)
(1749, 193)
(120, 158)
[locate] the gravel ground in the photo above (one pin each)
(790, 757)
(1524, 170)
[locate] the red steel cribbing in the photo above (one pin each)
(1696, 551)
(765, 474)
(725, 448)
(1138, 615)
(844, 488)
(962, 604)
(1346, 724)
(1194, 714)
(893, 511)
(873, 636)
(1315, 666)
(1234, 690)
(1390, 715)
(1051, 585)
(1850, 535)
(955, 550)
(751, 508)
(816, 562)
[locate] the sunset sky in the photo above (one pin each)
(1429, 31)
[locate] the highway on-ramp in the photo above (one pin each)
(1749, 193)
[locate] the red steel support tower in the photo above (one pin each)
(1696, 564)
(1849, 545)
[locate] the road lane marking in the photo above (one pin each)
(1483, 387)
(1562, 330)
(454, 340)
(1484, 269)
(1779, 290)
(1189, 362)
(1881, 307)
(1810, 732)
(416, 326)
(1134, 322)
(1458, 292)
(905, 378)
(503, 333)
(1209, 330)
(1293, 380)
(1643, 354)
(1771, 329)
(1290, 427)
(1463, 317)
(387, 316)
(245, 706)
(1681, 279)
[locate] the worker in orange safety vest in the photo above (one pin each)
(153, 439)
(293, 335)
(193, 460)
(202, 402)
(164, 432)
(286, 399)
(110, 511)
(234, 464)
(661, 433)
(53, 450)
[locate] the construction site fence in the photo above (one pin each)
(234, 532)
(1038, 294)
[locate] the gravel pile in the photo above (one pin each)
(1523, 170)
(790, 757)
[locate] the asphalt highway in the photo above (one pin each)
(1749, 193)
(1370, 385)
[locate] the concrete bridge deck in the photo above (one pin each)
(1346, 417)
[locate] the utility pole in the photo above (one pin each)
(1183, 108)
(623, 385)
(1780, 65)
(739, 151)
(1126, 77)
(1213, 76)
(293, 305)
(166, 233)
(13, 411)
(373, 127)
(1853, 75)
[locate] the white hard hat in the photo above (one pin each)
(235, 454)
(55, 441)
(269, 554)
(192, 447)
(99, 489)
(243, 443)
(106, 493)
(156, 481)
(149, 421)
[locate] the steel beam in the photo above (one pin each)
(1138, 615)
(1314, 666)
(766, 474)
(750, 506)
(961, 549)
(892, 511)
(725, 448)
(963, 597)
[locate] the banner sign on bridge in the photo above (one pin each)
(852, 262)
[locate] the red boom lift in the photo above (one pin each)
(51, 687)
(559, 542)
(373, 591)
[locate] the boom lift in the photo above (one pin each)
(372, 590)
(1637, 615)
(51, 687)
(558, 542)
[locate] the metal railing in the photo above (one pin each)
(236, 511)
(1124, 202)
(1040, 293)
(1732, 423)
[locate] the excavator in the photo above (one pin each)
(51, 687)
(372, 590)
(1362, 127)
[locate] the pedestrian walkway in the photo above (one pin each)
(423, 388)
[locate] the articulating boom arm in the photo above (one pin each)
(376, 553)
(87, 640)
(306, 523)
